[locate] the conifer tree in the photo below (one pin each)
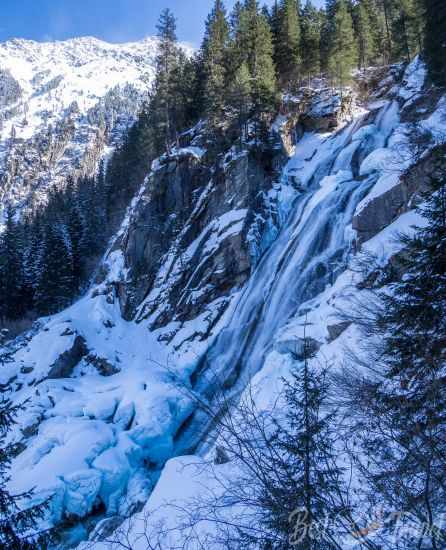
(402, 400)
(327, 34)
(343, 50)
(240, 97)
(79, 246)
(214, 50)
(32, 256)
(310, 485)
(287, 54)
(11, 269)
(234, 18)
(18, 522)
(263, 73)
(364, 35)
(311, 37)
(435, 39)
(274, 21)
(406, 27)
(55, 286)
(163, 100)
(387, 10)
(252, 46)
(287, 476)
(377, 31)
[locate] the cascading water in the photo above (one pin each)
(307, 255)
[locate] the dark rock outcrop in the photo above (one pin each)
(67, 361)
(384, 209)
(188, 236)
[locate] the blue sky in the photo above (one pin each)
(113, 20)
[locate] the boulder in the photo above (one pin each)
(67, 361)
(334, 331)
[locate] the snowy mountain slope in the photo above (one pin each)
(186, 298)
(62, 106)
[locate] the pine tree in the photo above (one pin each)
(214, 50)
(343, 51)
(287, 54)
(17, 521)
(435, 39)
(311, 37)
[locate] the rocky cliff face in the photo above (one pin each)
(57, 118)
(216, 267)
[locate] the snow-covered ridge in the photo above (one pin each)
(62, 104)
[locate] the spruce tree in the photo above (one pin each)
(263, 72)
(32, 258)
(364, 35)
(55, 288)
(402, 401)
(343, 50)
(311, 485)
(311, 37)
(287, 477)
(163, 100)
(287, 53)
(214, 50)
(435, 39)
(18, 522)
(240, 97)
(11, 268)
